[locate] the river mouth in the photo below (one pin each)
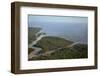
(40, 51)
(45, 47)
(36, 50)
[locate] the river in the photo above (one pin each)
(37, 49)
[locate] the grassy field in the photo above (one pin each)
(52, 43)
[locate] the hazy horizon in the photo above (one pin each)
(68, 27)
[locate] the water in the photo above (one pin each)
(73, 31)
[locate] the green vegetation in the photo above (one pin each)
(53, 43)
(66, 53)
(71, 53)
(50, 43)
(31, 33)
(30, 50)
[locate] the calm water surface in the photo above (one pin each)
(70, 28)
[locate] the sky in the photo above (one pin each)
(57, 19)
